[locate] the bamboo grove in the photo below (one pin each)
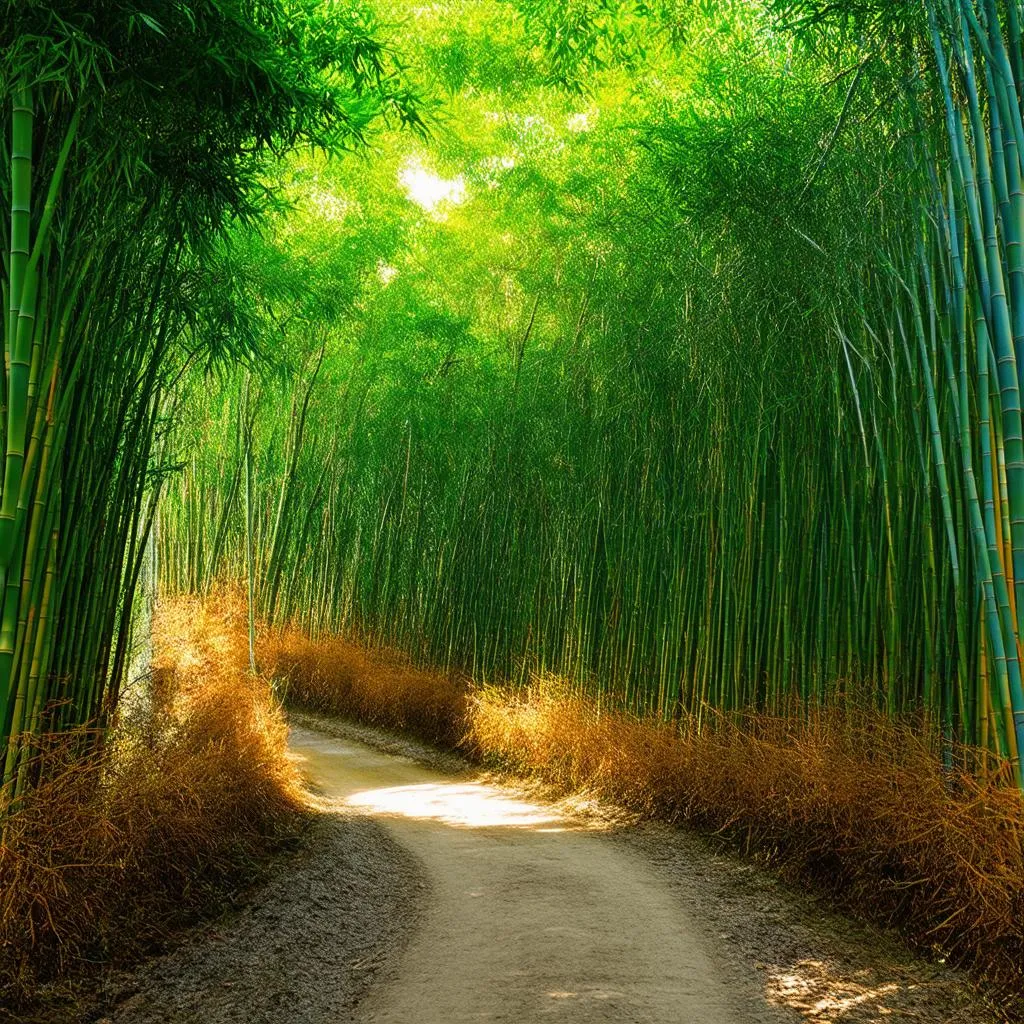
(734, 418)
(679, 357)
(133, 134)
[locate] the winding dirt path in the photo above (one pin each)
(532, 916)
(426, 894)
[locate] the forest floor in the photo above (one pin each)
(429, 892)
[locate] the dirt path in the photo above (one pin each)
(532, 916)
(430, 894)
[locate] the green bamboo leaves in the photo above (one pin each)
(729, 419)
(121, 176)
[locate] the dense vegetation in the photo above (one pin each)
(134, 135)
(675, 350)
(664, 356)
(684, 370)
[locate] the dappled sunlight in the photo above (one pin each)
(429, 190)
(469, 805)
(816, 990)
(386, 273)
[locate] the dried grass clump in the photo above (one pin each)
(857, 805)
(379, 687)
(121, 844)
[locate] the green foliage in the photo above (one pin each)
(600, 417)
(136, 137)
(680, 359)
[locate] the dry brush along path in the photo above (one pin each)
(429, 893)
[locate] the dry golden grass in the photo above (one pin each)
(118, 847)
(379, 687)
(854, 804)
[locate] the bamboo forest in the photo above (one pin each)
(443, 440)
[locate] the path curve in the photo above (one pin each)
(531, 916)
(425, 894)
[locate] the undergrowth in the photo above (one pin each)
(122, 843)
(851, 803)
(380, 687)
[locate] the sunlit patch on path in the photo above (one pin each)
(819, 991)
(470, 805)
(531, 915)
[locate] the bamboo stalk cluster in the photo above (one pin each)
(131, 137)
(728, 477)
(82, 399)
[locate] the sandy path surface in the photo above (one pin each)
(532, 916)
